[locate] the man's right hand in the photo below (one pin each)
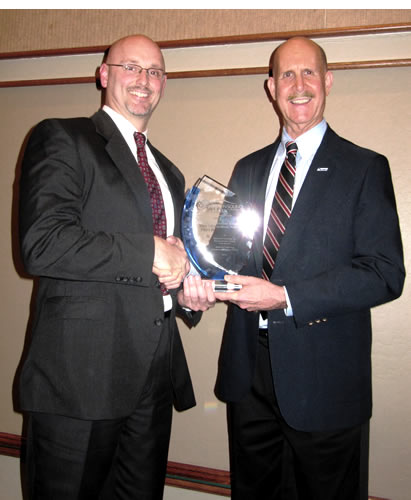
(170, 264)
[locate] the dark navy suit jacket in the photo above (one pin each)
(340, 256)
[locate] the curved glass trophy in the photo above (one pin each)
(217, 231)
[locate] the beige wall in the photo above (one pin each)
(22, 30)
(204, 125)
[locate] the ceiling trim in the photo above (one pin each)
(383, 46)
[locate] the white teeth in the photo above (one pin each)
(139, 94)
(301, 100)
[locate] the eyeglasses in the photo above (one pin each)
(154, 73)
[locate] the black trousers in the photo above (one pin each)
(271, 461)
(121, 459)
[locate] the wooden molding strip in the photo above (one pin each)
(10, 444)
(48, 81)
(378, 63)
(384, 63)
(192, 477)
(198, 478)
(225, 40)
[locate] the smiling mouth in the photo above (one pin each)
(302, 99)
(142, 94)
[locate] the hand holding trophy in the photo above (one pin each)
(217, 231)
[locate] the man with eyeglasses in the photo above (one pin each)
(99, 226)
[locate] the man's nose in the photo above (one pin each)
(299, 82)
(142, 76)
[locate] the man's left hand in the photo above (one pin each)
(197, 294)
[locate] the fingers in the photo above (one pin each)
(173, 240)
(256, 294)
(240, 280)
(198, 294)
(170, 263)
(226, 296)
(173, 279)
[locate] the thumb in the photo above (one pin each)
(172, 240)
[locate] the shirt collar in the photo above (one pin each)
(126, 128)
(308, 142)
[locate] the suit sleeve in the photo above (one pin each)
(365, 263)
(54, 242)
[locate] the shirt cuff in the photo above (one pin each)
(289, 310)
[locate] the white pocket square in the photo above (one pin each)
(322, 169)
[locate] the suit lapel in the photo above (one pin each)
(125, 162)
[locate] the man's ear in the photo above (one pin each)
(329, 79)
(271, 86)
(163, 85)
(103, 75)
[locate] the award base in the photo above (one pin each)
(223, 286)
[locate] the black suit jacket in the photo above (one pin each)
(86, 230)
(340, 256)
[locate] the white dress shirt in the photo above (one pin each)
(307, 145)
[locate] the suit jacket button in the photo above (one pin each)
(318, 321)
(158, 322)
(324, 320)
(311, 323)
(138, 279)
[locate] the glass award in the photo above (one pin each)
(217, 231)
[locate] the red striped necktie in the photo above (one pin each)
(280, 210)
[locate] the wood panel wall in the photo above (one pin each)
(41, 29)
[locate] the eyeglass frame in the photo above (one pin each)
(139, 69)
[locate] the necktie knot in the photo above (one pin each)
(140, 139)
(291, 148)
